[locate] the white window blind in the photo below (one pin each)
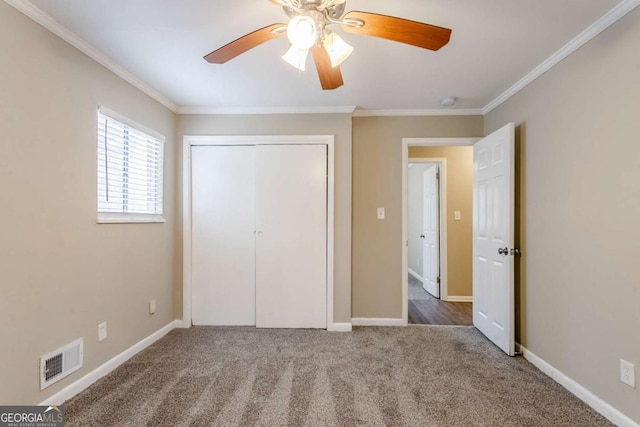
(130, 167)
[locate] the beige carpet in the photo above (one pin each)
(414, 376)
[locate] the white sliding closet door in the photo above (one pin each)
(223, 242)
(291, 237)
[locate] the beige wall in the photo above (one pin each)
(578, 285)
(60, 273)
(377, 182)
(302, 124)
(415, 215)
(459, 198)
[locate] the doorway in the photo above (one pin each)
(437, 230)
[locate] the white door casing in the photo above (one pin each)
(493, 237)
(223, 248)
(427, 142)
(430, 232)
(291, 236)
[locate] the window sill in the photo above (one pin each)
(130, 220)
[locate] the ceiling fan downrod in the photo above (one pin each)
(332, 11)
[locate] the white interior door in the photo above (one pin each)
(430, 241)
(291, 237)
(223, 242)
(493, 235)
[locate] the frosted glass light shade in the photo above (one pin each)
(296, 57)
(338, 49)
(302, 32)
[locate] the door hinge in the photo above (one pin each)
(438, 280)
(437, 175)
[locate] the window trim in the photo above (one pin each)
(132, 218)
(118, 218)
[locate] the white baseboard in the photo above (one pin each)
(458, 299)
(339, 327)
(370, 321)
(83, 383)
(605, 409)
(416, 275)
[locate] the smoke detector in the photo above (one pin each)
(448, 101)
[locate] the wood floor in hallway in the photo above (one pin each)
(424, 309)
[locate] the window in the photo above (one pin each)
(130, 163)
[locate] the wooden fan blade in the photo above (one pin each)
(330, 77)
(399, 30)
(244, 43)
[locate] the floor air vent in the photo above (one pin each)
(60, 363)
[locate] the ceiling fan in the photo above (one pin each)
(309, 30)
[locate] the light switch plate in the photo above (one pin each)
(457, 216)
(102, 331)
(380, 213)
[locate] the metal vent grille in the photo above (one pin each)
(60, 363)
(53, 366)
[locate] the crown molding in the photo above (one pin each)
(267, 110)
(50, 24)
(611, 17)
(592, 31)
(355, 112)
(362, 112)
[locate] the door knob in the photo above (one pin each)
(515, 251)
(503, 251)
(422, 236)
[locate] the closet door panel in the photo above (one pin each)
(223, 241)
(291, 238)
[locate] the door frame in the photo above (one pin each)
(211, 140)
(426, 142)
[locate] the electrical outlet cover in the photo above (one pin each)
(627, 373)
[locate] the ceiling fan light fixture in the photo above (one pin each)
(308, 31)
(296, 57)
(302, 32)
(337, 48)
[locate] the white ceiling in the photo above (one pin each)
(493, 45)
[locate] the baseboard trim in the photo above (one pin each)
(416, 275)
(459, 299)
(371, 321)
(83, 383)
(588, 397)
(339, 327)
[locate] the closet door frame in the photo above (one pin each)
(238, 140)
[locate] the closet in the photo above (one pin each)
(259, 235)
